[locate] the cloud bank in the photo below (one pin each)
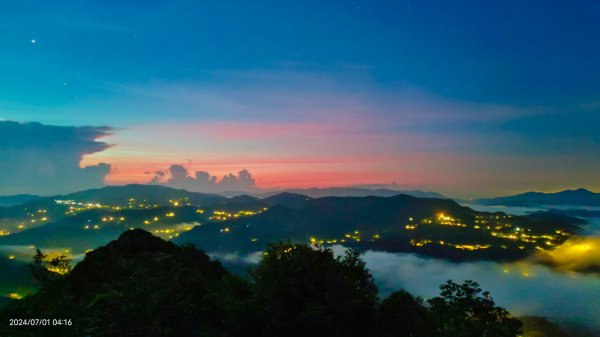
(178, 176)
(578, 254)
(522, 287)
(45, 159)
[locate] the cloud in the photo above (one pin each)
(523, 287)
(45, 159)
(391, 132)
(235, 257)
(578, 254)
(178, 176)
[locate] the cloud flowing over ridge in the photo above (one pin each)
(44, 159)
(178, 176)
(578, 254)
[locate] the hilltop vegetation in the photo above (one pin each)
(433, 227)
(140, 285)
(428, 226)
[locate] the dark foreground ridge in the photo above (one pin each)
(140, 285)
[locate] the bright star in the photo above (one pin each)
(33, 41)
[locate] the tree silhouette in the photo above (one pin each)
(463, 310)
(46, 270)
(401, 314)
(140, 285)
(304, 290)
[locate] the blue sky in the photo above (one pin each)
(492, 91)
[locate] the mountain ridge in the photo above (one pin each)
(579, 197)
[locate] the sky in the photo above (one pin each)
(468, 99)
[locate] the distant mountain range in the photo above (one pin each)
(19, 210)
(151, 194)
(578, 197)
(344, 192)
(18, 199)
(41, 210)
(400, 223)
(429, 226)
(157, 193)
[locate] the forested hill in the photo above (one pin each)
(435, 227)
(140, 285)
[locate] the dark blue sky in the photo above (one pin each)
(474, 79)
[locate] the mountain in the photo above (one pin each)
(340, 192)
(430, 226)
(51, 209)
(434, 227)
(91, 227)
(138, 285)
(95, 227)
(578, 197)
(150, 194)
(287, 199)
(11, 200)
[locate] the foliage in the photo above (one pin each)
(303, 290)
(401, 314)
(140, 285)
(463, 310)
(46, 270)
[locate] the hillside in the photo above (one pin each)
(11, 200)
(401, 223)
(141, 285)
(46, 210)
(352, 192)
(579, 197)
(434, 227)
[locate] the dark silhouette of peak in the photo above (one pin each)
(139, 285)
(354, 192)
(287, 199)
(139, 192)
(139, 259)
(137, 241)
(584, 190)
(18, 199)
(242, 199)
(580, 197)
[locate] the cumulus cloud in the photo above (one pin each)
(178, 176)
(45, 159)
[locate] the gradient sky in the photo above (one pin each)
(469, 99)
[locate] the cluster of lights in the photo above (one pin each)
(419, 243)
(497, 227)
(223, 215)
(86, 227)
(446, 220)
(356, 236)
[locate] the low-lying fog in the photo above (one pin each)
(522, 287)
(547, 285)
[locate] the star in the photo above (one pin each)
(33, 41)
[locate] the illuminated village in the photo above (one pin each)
(171, 218)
